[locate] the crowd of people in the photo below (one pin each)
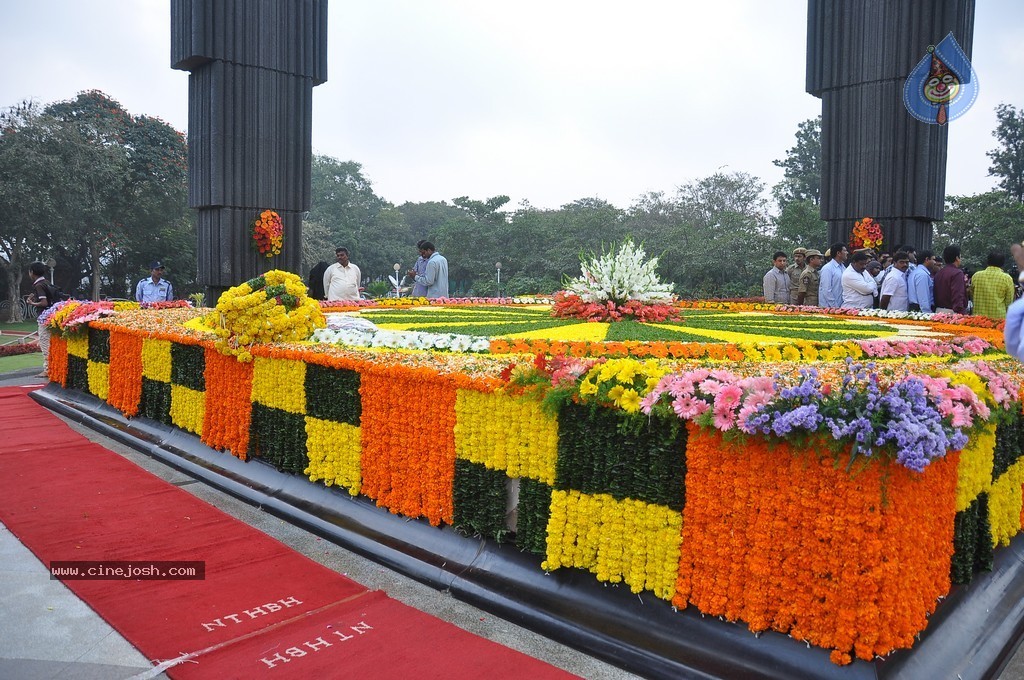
(906, 280)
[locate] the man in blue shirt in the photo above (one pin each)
(435, 277)
(830, 287)
(920, 285)
(154, 288)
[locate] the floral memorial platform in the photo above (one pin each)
(829, 475)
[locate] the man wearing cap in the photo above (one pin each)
(154, 288)
(795, 271)
(810, 278)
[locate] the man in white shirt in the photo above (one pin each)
(859, 287)
(341, 280)
(776, 281)
(895, 292)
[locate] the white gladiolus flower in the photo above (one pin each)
(620, 277)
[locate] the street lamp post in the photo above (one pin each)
(51, 263)
(398, 281)
(497, 266)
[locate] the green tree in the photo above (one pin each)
(799, 224)
(979, 224)
(1008, 159)
(97, 189)
(27, 162)
(724, 235)
(801, 166)
(344, 202)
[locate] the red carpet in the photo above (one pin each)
(262, 609)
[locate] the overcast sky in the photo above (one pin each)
(543, 101)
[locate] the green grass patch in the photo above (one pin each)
(20, 361)
(497, 329)
(26, 326)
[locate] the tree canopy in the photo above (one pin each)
(1008, 158)
(97, 189)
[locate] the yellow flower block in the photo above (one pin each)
(334, 451)
(1004, 504)
(78, 344)
(626, 540)
(506, 433)
(188, 408)
(279, 383)
(99, 378)
(974, 474)
(156, 359)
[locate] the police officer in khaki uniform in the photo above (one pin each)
(794, 271)
(807, 290)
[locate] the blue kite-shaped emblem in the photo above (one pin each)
(942, 86)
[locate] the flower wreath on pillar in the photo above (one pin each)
(268, 233)
(866, 234)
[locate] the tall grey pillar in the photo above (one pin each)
(253, 65)
(877, 160)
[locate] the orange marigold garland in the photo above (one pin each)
(228, 403)
(125, 376)
(866, 234)
(852, 562)
(268, 233)
(57, 368)
(408, 432)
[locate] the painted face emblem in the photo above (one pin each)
(942, 86)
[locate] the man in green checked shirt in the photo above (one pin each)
(992, 288)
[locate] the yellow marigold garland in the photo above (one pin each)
(273, 307)
(334, 451)
(1004, 504)
(279, 383)
(188, 408)
(506, 433)
(974, 473)
(78, 345)
(99, 378)
(156, 359)
(626, 540)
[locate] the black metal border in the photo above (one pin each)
(973, 634)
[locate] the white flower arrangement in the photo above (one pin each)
(894, 314)
(620, 276)
(377, 337)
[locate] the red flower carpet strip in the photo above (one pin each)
(261, 610)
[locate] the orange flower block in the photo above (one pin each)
(785, 539)
(57, 366)
(228, 407)
(408, 433)
(125, 375)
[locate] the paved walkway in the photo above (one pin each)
(47, 632)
